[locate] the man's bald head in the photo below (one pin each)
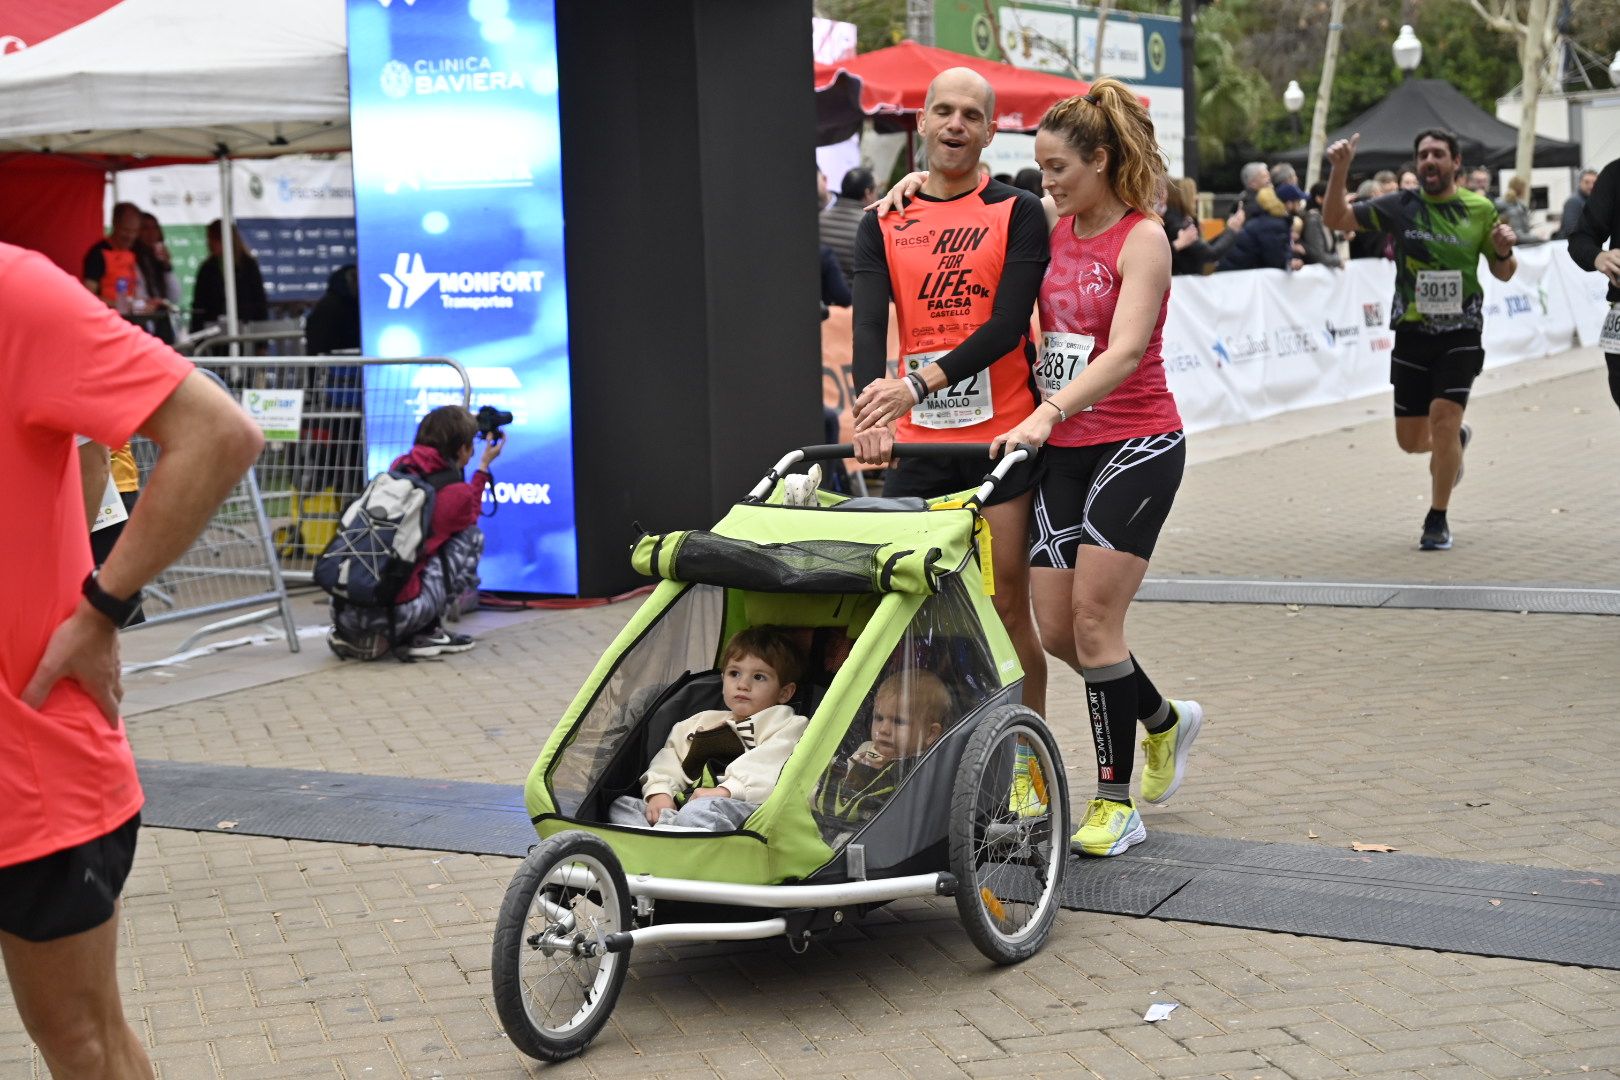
(963, 80)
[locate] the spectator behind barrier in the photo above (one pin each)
(208, 293)
(1320, 244)
(1571, 216)
(1190, 253)
(1513, 210)
(1265, 239)
(840, 220)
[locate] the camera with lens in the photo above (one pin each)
(491, 420)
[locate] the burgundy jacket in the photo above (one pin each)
(455, 509)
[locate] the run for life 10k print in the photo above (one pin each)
(458, 206)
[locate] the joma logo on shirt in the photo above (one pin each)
(960, 240)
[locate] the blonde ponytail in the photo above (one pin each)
(1111, 117)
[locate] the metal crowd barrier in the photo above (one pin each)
(230, 565)
(349, 428)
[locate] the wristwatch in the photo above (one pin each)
(117, 611)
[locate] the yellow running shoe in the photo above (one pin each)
(1165, 754)
(1110, 828)
(1028, 798)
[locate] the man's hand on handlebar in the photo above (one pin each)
(882, 402)
(875, 445)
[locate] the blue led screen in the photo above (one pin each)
(459, 215)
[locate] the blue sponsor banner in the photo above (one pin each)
(458, 207)
(297, 255)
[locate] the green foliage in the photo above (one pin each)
(1278, 40)
(1232, 96)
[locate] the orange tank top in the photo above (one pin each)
(945, 261)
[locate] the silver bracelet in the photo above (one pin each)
(1062, 416)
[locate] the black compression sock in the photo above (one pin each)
(1434, 517)
(1111, 701)
(1152, 707)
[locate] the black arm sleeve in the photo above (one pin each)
(1028, 252)
(872, 295)
(1600, 220)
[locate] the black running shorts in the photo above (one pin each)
(68, 891)
(1114, 495)
(1428, 366)
(929, 478)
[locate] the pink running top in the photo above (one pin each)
(1078, 296)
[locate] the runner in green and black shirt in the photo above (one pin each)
(1440, 232)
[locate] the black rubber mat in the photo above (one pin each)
(343, 808)
(1559, 916)
(1521, 912)
(1553, 599)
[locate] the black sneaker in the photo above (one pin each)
(1464, 434)
(346, 649)
(435, 640)
(1436, 534)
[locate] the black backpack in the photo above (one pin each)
(381, 536)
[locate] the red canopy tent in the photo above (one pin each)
(889, 85)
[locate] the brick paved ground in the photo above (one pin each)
(255, 957)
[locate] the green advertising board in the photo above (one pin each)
(1061, 39)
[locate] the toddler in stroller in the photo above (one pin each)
(739, 750)
(909, 712)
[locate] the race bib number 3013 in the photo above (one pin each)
(1439, 292)
(962, 405)
(1063, 356)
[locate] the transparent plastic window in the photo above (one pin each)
(686, 638)
(941, 671)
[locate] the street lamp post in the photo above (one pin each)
(1293, 101)
(1408, 52)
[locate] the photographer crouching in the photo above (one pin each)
(408, 548)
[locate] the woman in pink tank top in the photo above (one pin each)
(1115, 449)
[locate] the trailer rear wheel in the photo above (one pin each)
(1009, 834)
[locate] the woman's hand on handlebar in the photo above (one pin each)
(882, 402)
(1032, 432)
(906, 187)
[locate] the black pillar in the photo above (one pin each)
(688, 131)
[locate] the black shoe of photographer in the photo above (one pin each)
(435, 640)
(370, 648)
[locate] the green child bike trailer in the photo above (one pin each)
(886, 598)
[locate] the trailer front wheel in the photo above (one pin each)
(555, 984)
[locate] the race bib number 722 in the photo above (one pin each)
(962, 405)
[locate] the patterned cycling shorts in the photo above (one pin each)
(1115, 495)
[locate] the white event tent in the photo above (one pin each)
(185, 78)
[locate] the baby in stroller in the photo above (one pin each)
(741, 748)
(909, 711)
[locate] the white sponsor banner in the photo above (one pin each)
(285, 187)
(1587, 292)
(1247, 344)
